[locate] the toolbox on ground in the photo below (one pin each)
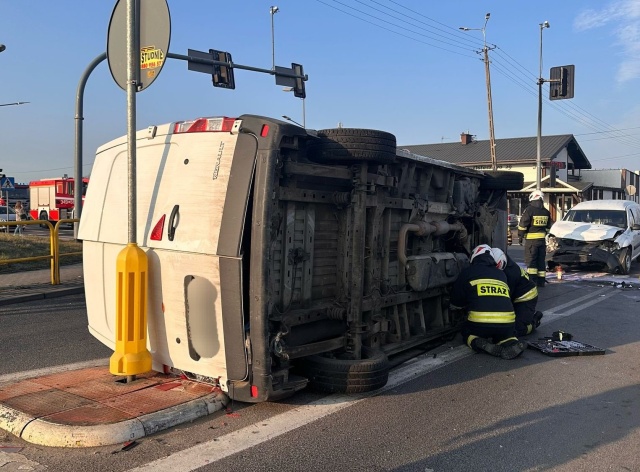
(555, 348)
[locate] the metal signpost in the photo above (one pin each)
(138, 38)
(6, 183)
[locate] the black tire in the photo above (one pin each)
(352, 145)
(331, 375)
(502, 180)
(625, 261)
(43, 216)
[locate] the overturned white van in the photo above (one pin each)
(281, 257)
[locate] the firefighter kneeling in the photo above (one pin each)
(524, 293)
(482, 291)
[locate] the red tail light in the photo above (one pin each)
(200, 125)
(264, 131)
(254, 391)
(158, 229)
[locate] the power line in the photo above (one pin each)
(570, 110)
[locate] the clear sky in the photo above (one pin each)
(401, 66)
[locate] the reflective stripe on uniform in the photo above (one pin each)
(508, 339)
(532, 271)
(530, 295)
(542, 273)
(470, 338)
(520, 228)
(492, 317)
(488, 281)
(535, 235)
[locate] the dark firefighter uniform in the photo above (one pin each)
(533, 227)
(482, 290)
(524, 295)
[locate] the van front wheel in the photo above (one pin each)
(625, 261)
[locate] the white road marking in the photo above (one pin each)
(593, 298)
(237, 441)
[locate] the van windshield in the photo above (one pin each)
(598, 217)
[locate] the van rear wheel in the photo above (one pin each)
(335, 375)
(352, 145)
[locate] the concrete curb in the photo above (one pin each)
(55, 293)
(42, 432)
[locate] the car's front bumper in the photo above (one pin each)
(584, 255)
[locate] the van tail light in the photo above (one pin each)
(200, 125)
(254, 391)
(264, 131)
(156, 234)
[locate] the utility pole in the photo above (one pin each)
(485, 51)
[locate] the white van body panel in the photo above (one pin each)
(184, 300)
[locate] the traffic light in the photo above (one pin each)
(561, 82)
(222, 75)
(298, 88)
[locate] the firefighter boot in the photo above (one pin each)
(537, 316)
(513, 350)
(481, 344)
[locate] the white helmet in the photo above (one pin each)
(481, 249)
(499, 257)
(536, 195)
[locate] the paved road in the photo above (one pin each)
(456, 411)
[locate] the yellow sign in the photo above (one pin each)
(494, 290)
(540, 220)
(151, 58)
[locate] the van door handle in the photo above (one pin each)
(172, 220)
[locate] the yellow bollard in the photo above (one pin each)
(131, 356)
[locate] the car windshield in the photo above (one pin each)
(598, 217)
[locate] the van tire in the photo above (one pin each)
(331, 375)
(352, 145)
(625, 261)
(502, 180)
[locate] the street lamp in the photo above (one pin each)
(539, 139)
(292, 120)
(485, 50)
(304, 113)
(14, 103)
(273, 10)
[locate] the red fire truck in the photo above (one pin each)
(53, 199)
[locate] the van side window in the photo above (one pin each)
(635, 216)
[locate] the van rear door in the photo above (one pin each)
(192, 194)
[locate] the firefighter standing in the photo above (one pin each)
(533, 227)
(482, 290)
(524, 293)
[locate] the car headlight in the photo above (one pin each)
(610, 246)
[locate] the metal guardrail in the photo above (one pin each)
(54, 245)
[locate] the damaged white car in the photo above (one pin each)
(604, 232)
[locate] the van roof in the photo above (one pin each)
(604, 205)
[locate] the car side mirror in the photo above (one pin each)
(635, 227)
